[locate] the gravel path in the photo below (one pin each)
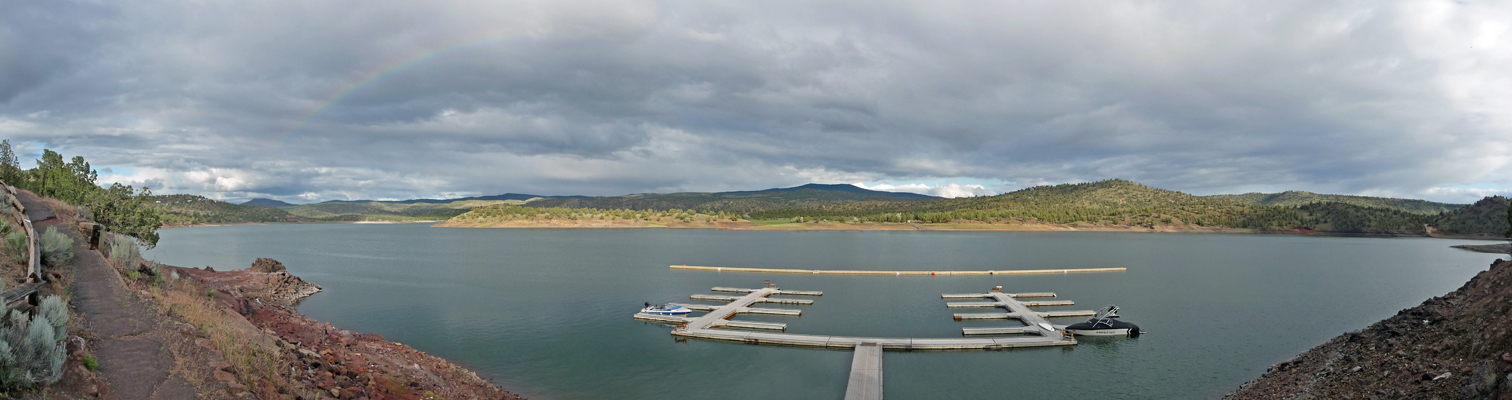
(133, 362)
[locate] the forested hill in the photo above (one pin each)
(1110, 202)
(1294, 198)
(1123, 203)
(734, 202)
(367, 210)
(186, 209)
(267, 203)
(1487, 217)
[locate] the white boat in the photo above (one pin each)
(1105, 323)
(666, 310)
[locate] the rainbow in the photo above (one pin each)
(383, 71)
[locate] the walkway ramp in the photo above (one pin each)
(866, 373)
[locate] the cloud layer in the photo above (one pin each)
(341, 99)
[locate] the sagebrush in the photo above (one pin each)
(55, 247)
(33, 351)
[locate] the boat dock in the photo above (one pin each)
(866, 366)
(716, 324)
(865, 381)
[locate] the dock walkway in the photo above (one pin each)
(865, 381)
(866, 366)
(713, 325)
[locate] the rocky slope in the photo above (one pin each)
(325, 361)
(1457, 346)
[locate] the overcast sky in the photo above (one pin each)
(361, 99)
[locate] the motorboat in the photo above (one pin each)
(666, 309)
(1105, 323)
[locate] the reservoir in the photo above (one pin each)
(547, 312)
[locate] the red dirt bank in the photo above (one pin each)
(332, 361)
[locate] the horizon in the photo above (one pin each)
(246, 200)
(1403, 99)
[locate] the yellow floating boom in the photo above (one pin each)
(895, 273)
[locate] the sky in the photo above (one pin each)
(360, 99)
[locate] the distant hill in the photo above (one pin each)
(1119, 202)
(1487, 217)
(267, 203)
(502, 197)
(733, 202)
(409, 210)
(1112, 202)
(185, 209)
(1296, 198)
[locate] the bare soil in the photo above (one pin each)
(328, 361)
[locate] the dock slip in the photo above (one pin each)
(897, 273)
(865, 380)
(715, 324)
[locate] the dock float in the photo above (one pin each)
(988, 304)
(1042, 314)
(962, 296)
(1010, 330)
(746, 310)
(715, 297)
(865, 381)
(771, 326)
(896, 273)
(715, 325)
(779, 292)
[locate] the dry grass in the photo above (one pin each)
(242, 349)
(64, 211)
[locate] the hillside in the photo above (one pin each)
(1487, 217)
(506, 196)
(185, 209)
(1457, 346)
(732, 202)
(1106, 202)
(1294, 198)
(267, 203)
(388, 210)
(1123, 203)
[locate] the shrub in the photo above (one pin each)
(124, 252)
(15, 246)
(33, 351)
(55, 247)
(55, 311)
(90, 363)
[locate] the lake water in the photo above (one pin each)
(547, 312)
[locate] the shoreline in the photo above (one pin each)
(744, 225)
(1448, 346)
(176, 226)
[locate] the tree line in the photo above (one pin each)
(120, 208)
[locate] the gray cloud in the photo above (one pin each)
(348, 99)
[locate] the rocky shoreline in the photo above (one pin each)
(326, 361)
(1456, 346)
(1500, 248)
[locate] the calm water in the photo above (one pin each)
(546, 312)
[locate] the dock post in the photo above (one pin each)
(866, 373)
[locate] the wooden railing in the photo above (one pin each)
(28, 290)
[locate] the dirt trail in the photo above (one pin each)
(119, 327)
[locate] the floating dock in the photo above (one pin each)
(715, 324)
(865, 382)
(896, 273)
